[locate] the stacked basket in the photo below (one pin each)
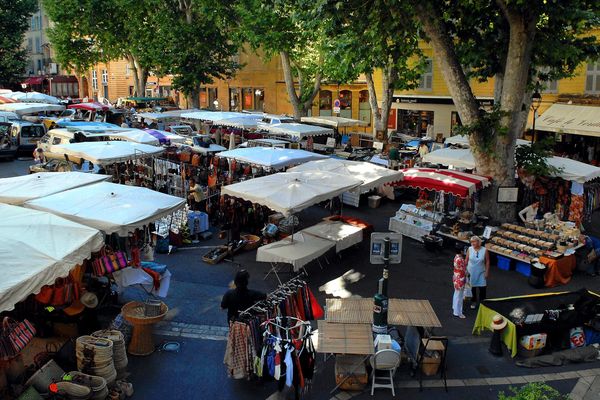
(119, 350)
(95, 357)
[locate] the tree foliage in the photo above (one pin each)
(532, 159)
(14, 21)
(186, 38)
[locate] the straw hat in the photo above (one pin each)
(89, 299)
(498, 322)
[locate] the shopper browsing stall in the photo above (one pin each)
(478, 268)
(459, 280)
(240, 298)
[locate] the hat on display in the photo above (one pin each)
(89, 299)
(498, 322)
(75, 308)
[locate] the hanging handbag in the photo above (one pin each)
(18, 333)
(45, 295)
(58, 292)
(113, 261)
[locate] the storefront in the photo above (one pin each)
(414, 114)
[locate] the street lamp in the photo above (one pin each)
(536, 101)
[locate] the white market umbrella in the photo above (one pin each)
(35, 97)
(19, 189)
(249, 121)
(135, 136)
(290, 192)
(110, 207)
(371, 175)
(103, 153)
(38, 247)
(271, 157)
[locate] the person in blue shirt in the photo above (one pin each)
(593, 243)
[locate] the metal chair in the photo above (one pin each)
(388, 361)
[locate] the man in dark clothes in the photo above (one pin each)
(240, 298)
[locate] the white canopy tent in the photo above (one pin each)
(103, 153)
(18, 190)
(290, 192)
(248, 121)
(271, 157)
(35, 97)
(109, 207)
(30, 108)
(212, 148)
(297, 131)
(38, 247)
(135, 136)
(213, 115)
(334, 122)
(569, 170)
(298, 250)
(463, 140)
(371, 175)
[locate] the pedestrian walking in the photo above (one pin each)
(240, 297)
(459, 279)
(478, 268)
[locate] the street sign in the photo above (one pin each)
(377, 247)
(336, 106)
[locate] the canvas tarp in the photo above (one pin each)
(38, 247)
(298, 252)
(297, 131)
(570, 118)
(19, 189)
(271, 157)
(290, 192)
(110, 207)
(104, 153)
(370, 174)
(334, 122)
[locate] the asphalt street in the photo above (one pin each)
(196, 321)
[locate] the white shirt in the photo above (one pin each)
(528, 214)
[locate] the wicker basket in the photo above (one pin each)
(252, 242)
(134, 312)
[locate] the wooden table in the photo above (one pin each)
(356, 339)
(400, 312)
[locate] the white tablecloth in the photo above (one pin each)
(410, 230)
(137, 276)
(299, 252)
(344, 235)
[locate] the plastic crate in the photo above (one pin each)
(523, 268)
(504, 263)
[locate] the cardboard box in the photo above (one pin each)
(533, 342)
(383, 342)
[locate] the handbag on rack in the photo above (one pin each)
(109, 261)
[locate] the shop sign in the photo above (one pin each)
(336, 106)
(377, 247)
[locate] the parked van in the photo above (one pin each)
(26, 134)
(59, 136)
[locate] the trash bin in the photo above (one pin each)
(374, 201)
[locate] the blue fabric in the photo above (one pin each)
(476, 267)
(156, 267)
(592, 242)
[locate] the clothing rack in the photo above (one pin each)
(300, 279)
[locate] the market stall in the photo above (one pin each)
(450, 187)
(22, 109)
(38, 248)
(343, 235)
(103, 153)
(271, 157)
(290, 192)
(463, 141)
(295, 131)
(542, 322)
(17, 190)
(109, 207)
(371, 175)
(166, 138)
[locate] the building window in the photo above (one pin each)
(213, 99)
(39, 66)
(29, 45)
(247, 97)
(32, 23)
(38, 47)
(127, 69)
(94, 80)
(259, 99)
(427, 77)
(414, 122)
(104, 77)
(364, 108)
(547, 86)
(346, 104)
(455, 121)
(325, 104)
(592, 80)
(131, 90)
(234, 99)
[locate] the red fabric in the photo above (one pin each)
(64, 79)
(34, 80)
(155, 277)
(458, 183)
(93, 106)
(317, 310)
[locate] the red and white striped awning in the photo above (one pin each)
(443, 180)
